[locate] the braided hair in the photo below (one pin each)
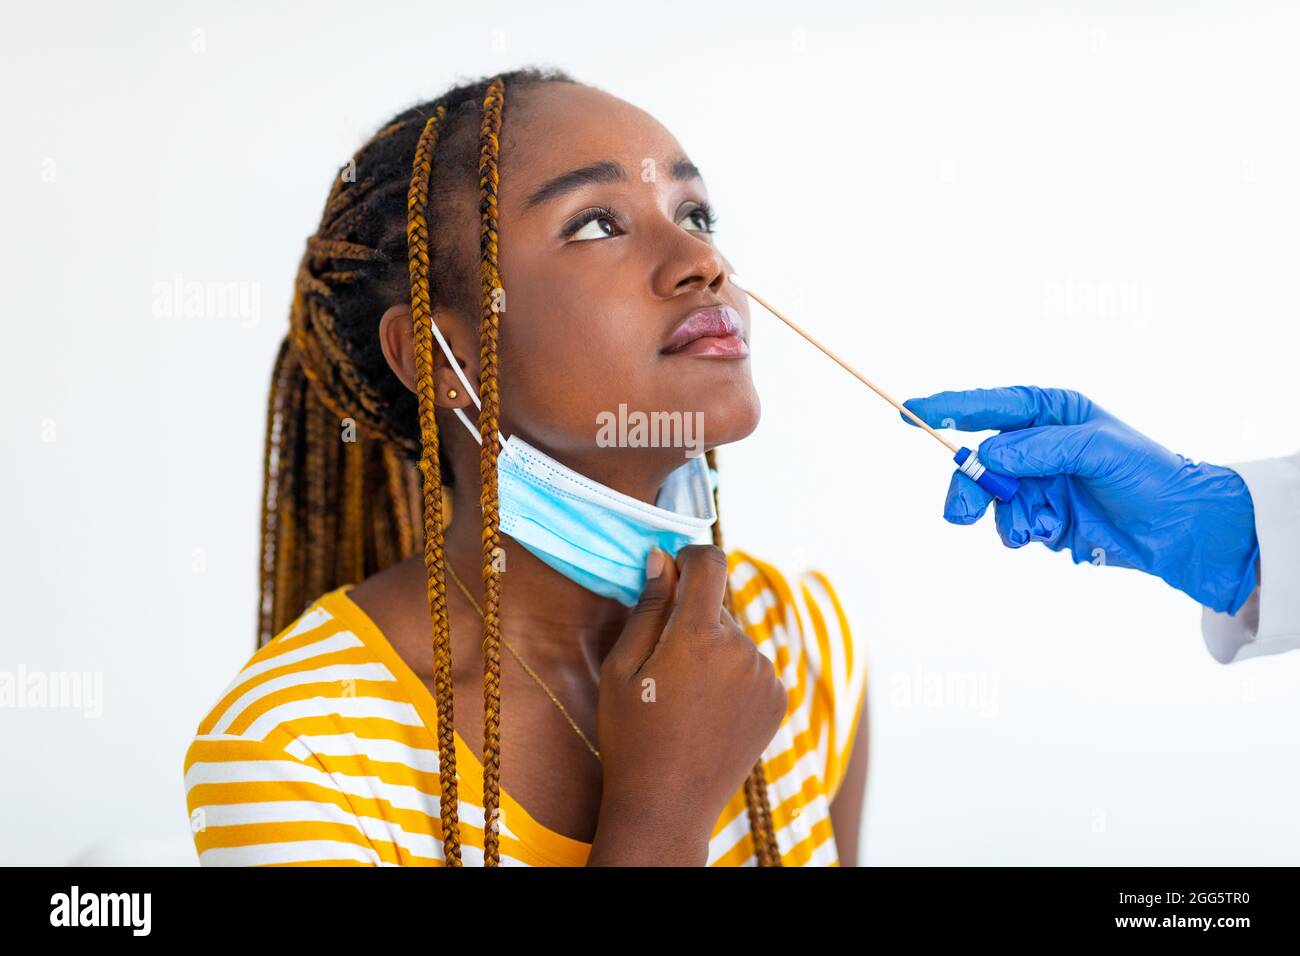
(354, 473)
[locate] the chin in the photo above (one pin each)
(734, 420)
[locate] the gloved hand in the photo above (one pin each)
(1109, 494)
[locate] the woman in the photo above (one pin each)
(338, 742)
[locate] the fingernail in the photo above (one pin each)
(654, 563)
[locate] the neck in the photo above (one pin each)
(540, 607)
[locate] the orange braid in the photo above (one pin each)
(352, 557)
(417, 232)
(395, 476)
(284, 481)
(318, 440)
(489, 395)
(274, 424)
(760, 811)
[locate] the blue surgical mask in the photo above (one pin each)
(589, 532)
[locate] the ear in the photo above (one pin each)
(397, 340)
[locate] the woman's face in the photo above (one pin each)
(601, 270)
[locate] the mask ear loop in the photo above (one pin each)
(469, 390)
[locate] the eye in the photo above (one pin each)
(593, 223)
(705, 215)
(600, 222)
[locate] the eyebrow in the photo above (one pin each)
(605, 171)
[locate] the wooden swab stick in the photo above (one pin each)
(845, 365)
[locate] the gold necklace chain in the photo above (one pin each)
(531, 673)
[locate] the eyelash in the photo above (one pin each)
(601, 212)
(710, 217)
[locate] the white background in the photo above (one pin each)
(1099, 196)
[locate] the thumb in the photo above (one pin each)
(650, 614)
(966, 501)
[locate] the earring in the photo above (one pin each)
(452, 393)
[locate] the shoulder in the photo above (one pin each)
(797, 604)
(310, 670)
(796, 617)
(267, 774)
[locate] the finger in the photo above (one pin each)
(701, 584)
(1080, 450)
(966, 501)
(1020, 406)
(650, 614)
(1032, 515)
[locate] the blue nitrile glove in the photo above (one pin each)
(1109, 494)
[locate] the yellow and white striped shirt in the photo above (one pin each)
(321, 751)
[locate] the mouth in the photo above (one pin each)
(712, 331)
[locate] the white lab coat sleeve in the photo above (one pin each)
(1269, 622)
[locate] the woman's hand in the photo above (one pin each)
(687, 704)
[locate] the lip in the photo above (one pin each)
(714, 330)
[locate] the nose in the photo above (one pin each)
(690, 264)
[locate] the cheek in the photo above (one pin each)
(567, 357)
